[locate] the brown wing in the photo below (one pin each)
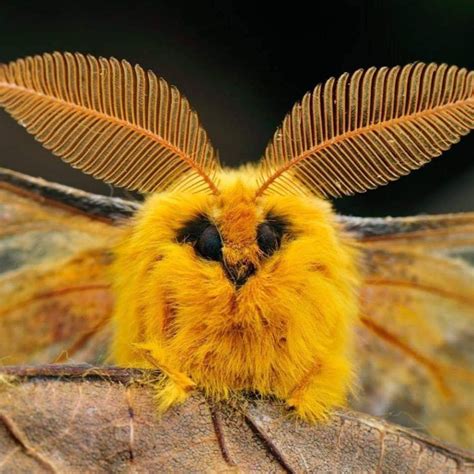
(54, 254)
(416, 342)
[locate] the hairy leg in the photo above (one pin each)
(175, 386)
(322, 388)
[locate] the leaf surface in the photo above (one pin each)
(70, 419)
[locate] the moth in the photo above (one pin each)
(244, 280)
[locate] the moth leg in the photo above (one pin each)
(322, 388)
(175, 387)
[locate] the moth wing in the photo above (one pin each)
(54, 253)
(416, 339)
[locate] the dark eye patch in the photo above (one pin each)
(204, 237)
(209, 245)
(270, 234)
(192, 230)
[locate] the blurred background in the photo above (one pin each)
(243, 65)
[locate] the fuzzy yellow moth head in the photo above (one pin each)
(232, 280)
(237, 291)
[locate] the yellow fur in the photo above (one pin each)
(285, 332)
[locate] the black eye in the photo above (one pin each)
(204, 236)
(269, 235)
(209, 244)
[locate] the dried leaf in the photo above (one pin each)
(68, 419)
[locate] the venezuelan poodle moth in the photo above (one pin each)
(245, 280)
